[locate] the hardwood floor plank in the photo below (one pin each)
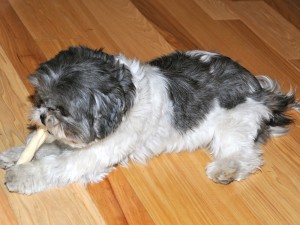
(65, 206)
(289, 9)
(129, 28)
(7, 215)
(66, 24)
(185, 203)
(106, 202)
(82, 25)
(296, 63)
(118, 202)
(275, 202)
(18, 44)
(55, 19)
(131, 205)
(152, 183)
(175, 35)
(272, 28)
(217, 9)
(13, 116)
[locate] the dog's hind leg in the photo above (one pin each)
(239, 131)
(234, 145)
(235, 166)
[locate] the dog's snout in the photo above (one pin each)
(43, 118)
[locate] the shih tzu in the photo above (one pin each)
(102, 110)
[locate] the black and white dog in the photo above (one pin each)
(102, 110)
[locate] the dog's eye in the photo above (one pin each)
(39, 104)
(62, 111)
(50, 109)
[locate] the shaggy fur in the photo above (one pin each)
(102, 110)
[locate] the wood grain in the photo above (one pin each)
(296, 63)
(7, 215)
(217, 9)
(289, 9)
(273, 28)
(171, 189)
(105, 199)
(18, 44)
(121, 203)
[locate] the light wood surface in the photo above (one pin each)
(263, 36)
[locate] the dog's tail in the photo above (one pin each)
(279, 103)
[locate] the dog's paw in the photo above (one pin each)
(24, 179)
(10, 157)
(223, 171)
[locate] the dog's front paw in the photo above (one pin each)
(10, 157)
(223, 171)
(24, 179)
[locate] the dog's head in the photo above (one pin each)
(81, 95)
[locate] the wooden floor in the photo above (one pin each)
(264, 36)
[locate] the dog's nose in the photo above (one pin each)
(43, 118)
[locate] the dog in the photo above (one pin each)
(101, 110)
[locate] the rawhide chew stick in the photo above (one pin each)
(37, 140)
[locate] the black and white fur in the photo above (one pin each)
(103, 110)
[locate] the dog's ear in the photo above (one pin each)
(33, 80)
(43, 77)
(108, 111)
(110, 108)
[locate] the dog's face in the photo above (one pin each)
(81, 95)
